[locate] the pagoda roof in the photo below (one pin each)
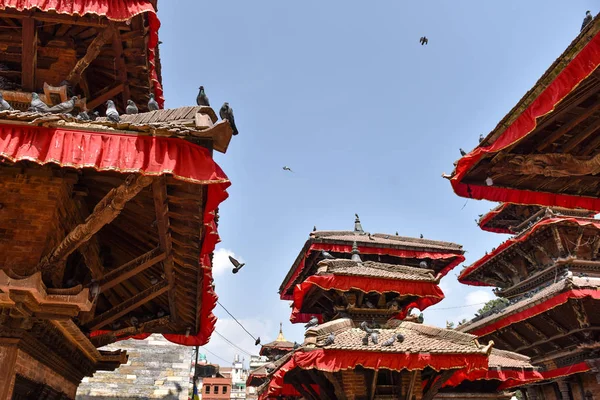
(193, 123)
(534, 303)
(513, 218)
(469, 274)
(541, 152)
(374, 269)
(442, 256)
(280, 343)
(138, 69)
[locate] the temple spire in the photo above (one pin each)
(280, 337)
(355, 253)
(357, 226)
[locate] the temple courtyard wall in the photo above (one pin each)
(156, 369)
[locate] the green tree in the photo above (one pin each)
(497, 302)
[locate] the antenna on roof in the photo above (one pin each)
(355, 253)
(357, 225)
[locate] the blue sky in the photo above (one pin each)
(343, 93)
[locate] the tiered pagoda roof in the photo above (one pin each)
(545, 151)
(279, 346)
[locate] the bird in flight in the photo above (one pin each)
(236, 264)
(286, 168)
(424, 40)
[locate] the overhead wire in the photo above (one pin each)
(238, 322)
(219, 357)
(233, 344)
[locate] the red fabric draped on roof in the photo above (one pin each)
(132, 154)
(537, 309)
(429, 293)
(515, 376)
(582, 65)
(489, 216)
(337, 360)
(462, 278)
(552, 374)
(116, 10)
(340, 248)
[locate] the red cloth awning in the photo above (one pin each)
(463, 277)
(453, 258)
(516, 377)
(489, 216)
(337, 360)
(580, 67)
(115, 10)
(428, 293)
(545, 375)
(146, 155)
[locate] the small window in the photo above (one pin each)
(216, 389)
(207, 389)
(224, 389)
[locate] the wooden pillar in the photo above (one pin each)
(532, 393)
(8, 360)
(563, 387)
(28, 54)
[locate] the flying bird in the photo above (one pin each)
(111, 112)
(423, 40)
(202, 98)
(4, 104)
(389, 342)
(226, 113)
(326, 255)
(64, 107)
(236, 264)
(131, 108)
(286, 168)
(462, 152)
(37, 104)
(152, 104)
(400, 337)
(588, 18)
(329, 340)
(257, 341)
(314, 321)
(374, 337)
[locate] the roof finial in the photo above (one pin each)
(280, 337)
(355, 253)
(357, 225)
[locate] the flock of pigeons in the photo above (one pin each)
(112, 114)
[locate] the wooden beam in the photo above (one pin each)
(104, 213)
(161, 207)
(28, 55)
(117, 46)
(337, 386)
(411, 384)
(298, 386)
(581, 136)
(567, 127)
(542, 336)
(90, 250)
(128, 305)
(558, 241)
(108, 94)
(433, 390)
(92, 52)
(553, 165)
(326, 393)
(56, 18)
(373, 384)
(561, 335)
(131, 269)
(580, 232)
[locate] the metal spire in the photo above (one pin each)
(355, 253)
(357, 226)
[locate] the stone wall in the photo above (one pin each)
(157, 369)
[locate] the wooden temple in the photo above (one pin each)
(273, 351)
(540, 162)
(362, 342)
(106, 228)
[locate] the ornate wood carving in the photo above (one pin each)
(161, 207)
(558, 241)
(595, 248)
(127, 306)
(554, 165)
(580, 314)
(94, 21)
(91, 54)
(578, 241)
(104, 213)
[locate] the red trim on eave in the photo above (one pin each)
(516, 376)
(552, 374)
(341, 248)
(537, 309)
(429, 293)
(489, 216)
(462, 277)
(584, 63)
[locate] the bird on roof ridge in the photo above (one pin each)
(357, 225)
(588, 18)
(152, 104)
(131, 108)
(202, 98)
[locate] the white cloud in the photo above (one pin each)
(221, 261)
(478, 297)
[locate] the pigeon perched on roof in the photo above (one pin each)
(226, 113)
(423, 40)
(257, 341)
(480, 138)
(462, 152)
(314, 228)
(374, 337)
(286, 168)
(83, 116)
(296, 345)
(95, 115)
(389, 342)
(421, 236)
(202, 98)
(365, 339)
(588, 18)
(314, 321)
(111, 112)
(37, 104)
(326, 255)
(371, 237)
(131, 107)
(329, 340)
(270, 367)
(400, 337)
(64, 107)
(152, 104)
(236, 265)
(4, 104)
(365, 327)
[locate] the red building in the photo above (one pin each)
(216, 388)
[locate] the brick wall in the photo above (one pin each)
(30, 368)
(30, 219)
(591, 384)
(155, 368)
(354, 384)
